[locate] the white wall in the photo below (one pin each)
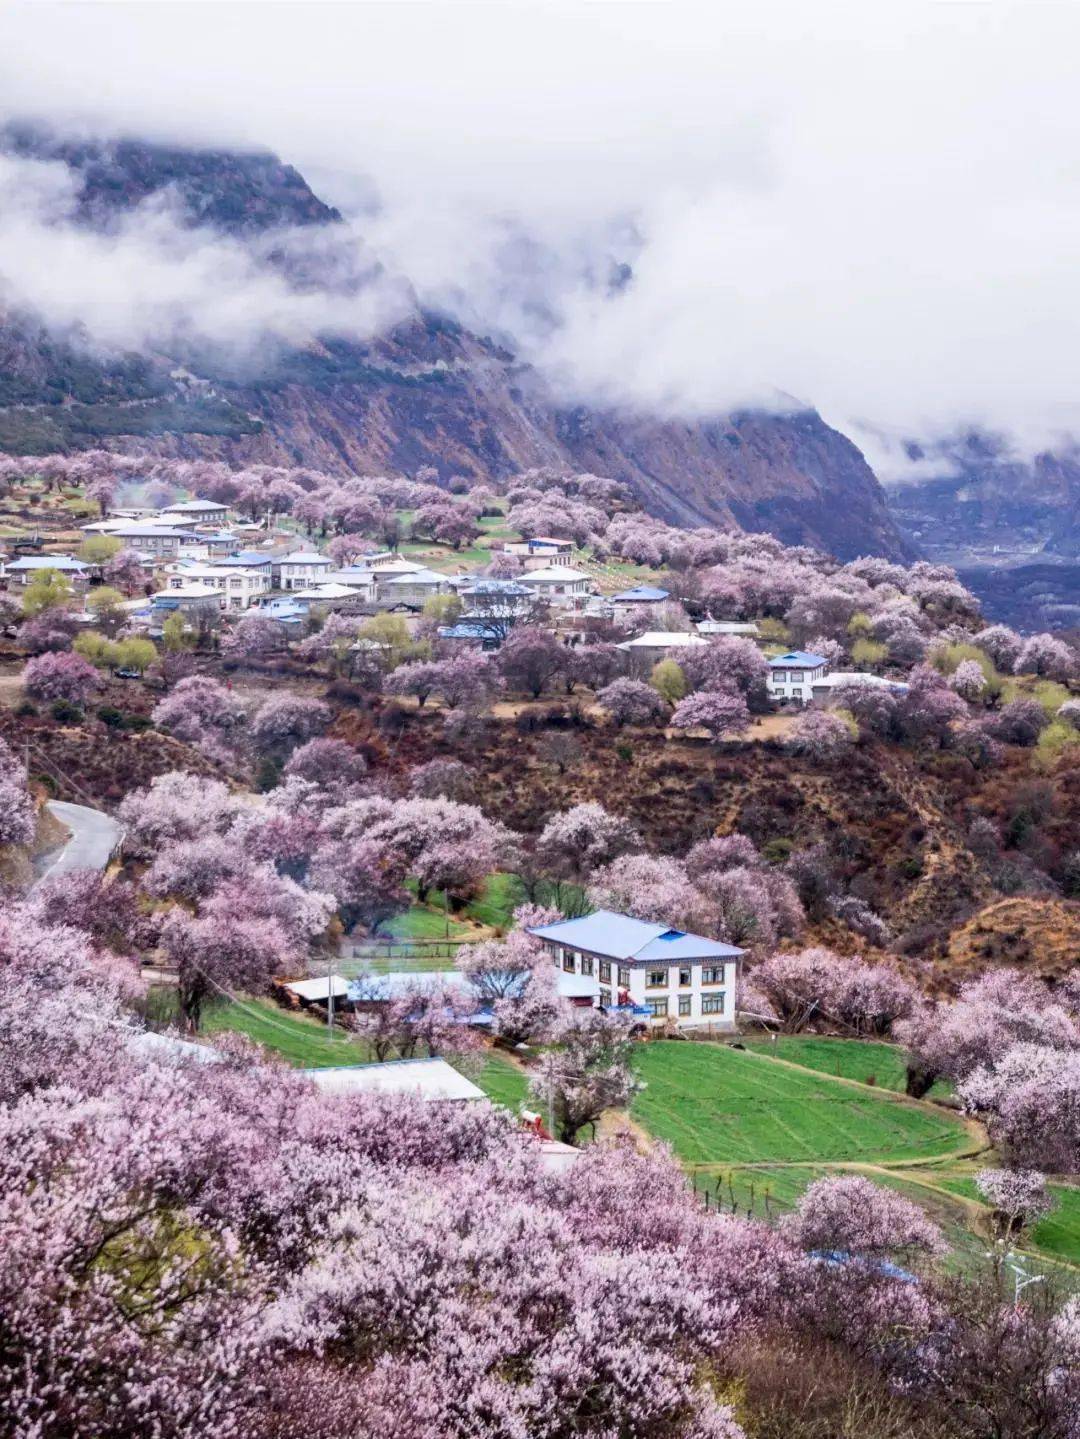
(698, 992)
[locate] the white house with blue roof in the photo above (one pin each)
(792, 676)
(664, 975)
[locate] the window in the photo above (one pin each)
(713, 1003)
(658, 1008)
(686, 975)
(624, 977)
(586, 964)
(568, 961)
(780, 677)
(684, 1006)
(605, 971)
(712, 974)
(657, 979)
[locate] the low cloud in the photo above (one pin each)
(873, 209)
(153, 282)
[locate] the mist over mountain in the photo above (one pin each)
(236, 315)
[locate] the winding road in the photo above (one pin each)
(94, 836)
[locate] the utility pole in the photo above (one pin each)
(330, 995)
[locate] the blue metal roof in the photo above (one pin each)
(463, 631)
(641, 593)
(618, 936)
(798, 659)
(246, 559)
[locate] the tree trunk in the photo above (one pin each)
(919, 1081)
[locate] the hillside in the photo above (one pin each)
(428, 392)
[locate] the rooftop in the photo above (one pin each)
(149, 532)
(555, 573)
(799, 660)
(414, 577)
(246, 559)
(47, 562)
(618, 936)
(839, 678)
(728, 627)
(318, 990)
(512, 589)
(640, 594)
(427, 1079)
(663, 640)
(303, 557)
(183, 506)
(327, 591)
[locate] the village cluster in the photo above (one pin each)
(202, 563)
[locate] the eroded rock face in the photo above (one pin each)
(428, 392)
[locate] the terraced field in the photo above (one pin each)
(717, 1105)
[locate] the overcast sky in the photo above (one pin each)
(873, 208)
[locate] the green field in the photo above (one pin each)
(867, 1060)
(1058, 1234)
(717, 1105)
(297, 1038)
(501, 1080)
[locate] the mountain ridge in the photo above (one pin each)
(426, 392)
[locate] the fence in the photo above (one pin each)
(755, 1202)
(401, 949)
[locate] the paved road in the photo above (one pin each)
(93, 838)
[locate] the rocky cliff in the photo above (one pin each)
(427, 392)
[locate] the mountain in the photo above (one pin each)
(426, 392)
(1011, 526)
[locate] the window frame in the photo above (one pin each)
(714, 1003)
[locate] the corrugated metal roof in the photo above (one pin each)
(798, 659)
(619, 936)
(427, 1079)
(641, 592)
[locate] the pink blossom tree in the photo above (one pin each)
(718, 712)
(729, 663)
(969, 681)
(579, 840)
(820, 736)
(530, 659)
(253, 636)
(1018, 1197)
(285, 721)
(989, 1017)
(589, 1072)
(204, 713)
(175, 806)
(60, 676)
(850, 1215)
(653, 888)
(125, 571)
(17, 819)
(630, 701)
(1046, 655)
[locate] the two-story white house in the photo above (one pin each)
(665, 974)
(159, 541)
(238, 586)
(561, 584)
(300, 570)
(792, 676)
